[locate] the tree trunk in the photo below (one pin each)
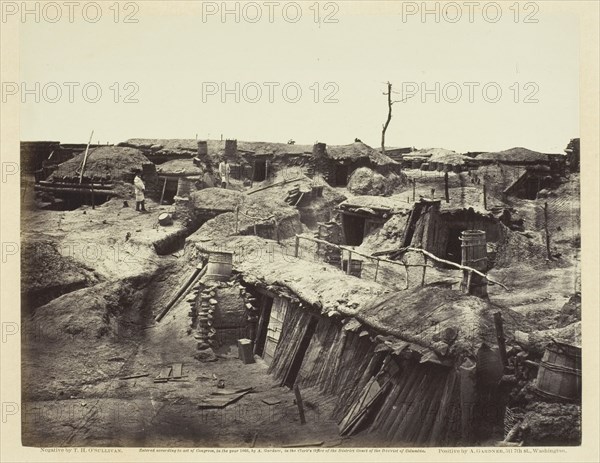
(389, 116)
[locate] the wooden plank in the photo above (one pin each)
(300, 404)
(232, 391)
(271, 401)
(141, 375)
(220, 401)
(177, 370)
(164, 375)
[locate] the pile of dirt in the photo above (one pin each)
(180, 167)
(570, 312)
(517, 154)
(365, 181)
(259, 214)
(107, 309)
(388, 237)
(446, 156)
(107, 162)
(552, 424)
(47, 274)
(216, 199)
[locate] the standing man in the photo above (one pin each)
(140, 188)
(224, 171)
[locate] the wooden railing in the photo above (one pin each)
(426, 256)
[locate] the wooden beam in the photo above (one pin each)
(458, 266)
(300, 404)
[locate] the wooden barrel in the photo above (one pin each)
(474, 255)
(457, 168)
(165, 219)
(433, 165)
(220, 264)
(416, 163)
(425, 166)
(559, 374)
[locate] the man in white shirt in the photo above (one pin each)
(224, 171)
(140, 188)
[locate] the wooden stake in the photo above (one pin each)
(484, 197)
(376, 270)
(300, 404)
(446, 192)
(297, 246)
(349, 261)
(424, 270)
(500, 337)
(93, 203)
(162, 195)
(546, 230)
(414, 188)
(87, 148)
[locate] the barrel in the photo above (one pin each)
(220, 264)
(433, 165)
(416, 163)
(165, 219)
(425, 166)
(440, 167)
(457, 168)
(559, 374)
(474, 255)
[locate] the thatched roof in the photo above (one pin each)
(107, 161)
(517, 155)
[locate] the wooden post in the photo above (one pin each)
(87, 148)
(300, 404)
(424, 270)
(376, 270)
(93, 202)
(349, 261)
(500, 337)
(237, 219)
(414, 188)
(162, 195)
(484, 197)
(447, 193)
(546, 230)
(297, 247)
(432, 193)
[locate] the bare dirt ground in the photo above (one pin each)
(76, 347)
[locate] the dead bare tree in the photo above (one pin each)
(390, 102)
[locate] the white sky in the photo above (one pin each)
(170, 52)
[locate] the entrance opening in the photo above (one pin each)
(453, 247)
(170, 190)
(354, 229)
(341, 175)
(260, 170)
(266, 303)
(292, 374)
